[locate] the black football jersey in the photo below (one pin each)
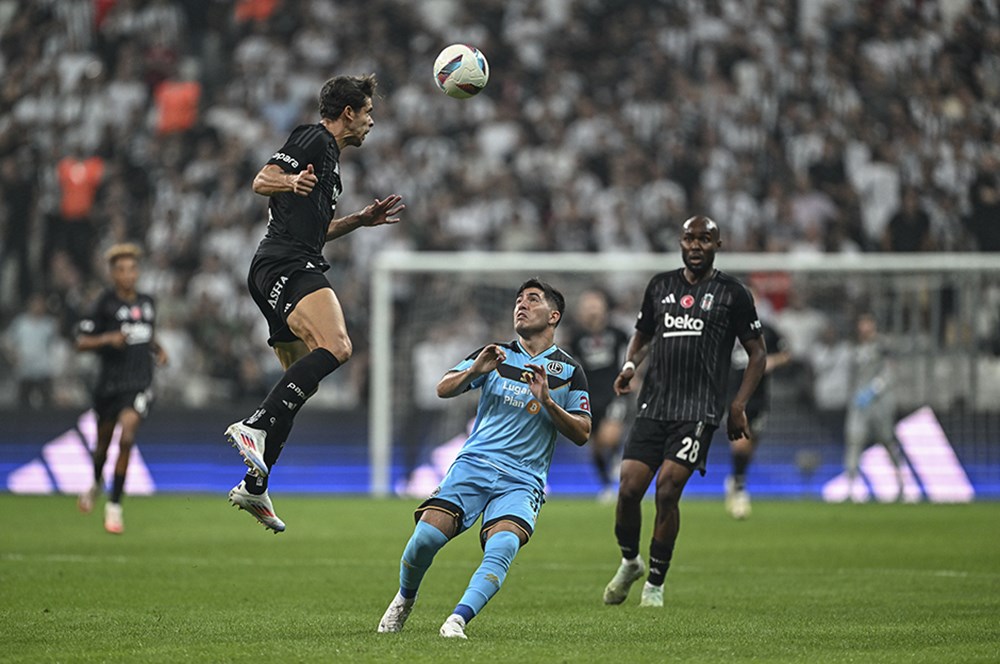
(693, 328)
(761, 398)
(129, 368)
(297, 225)
(601, 355)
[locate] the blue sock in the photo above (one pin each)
(497, 557)
(425, 542)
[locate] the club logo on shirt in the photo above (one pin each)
(707, 301)
(687, 301)
(554, 367)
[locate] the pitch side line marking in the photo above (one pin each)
(330, 562)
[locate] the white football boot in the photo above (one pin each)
(454, 627)
(396, 614)
(628, 573)
(113, 522)
(651, 595)
(85, 502)
(249, 442)
(259, 507)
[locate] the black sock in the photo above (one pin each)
(603, 469)
(740, 464)
(117, 488)
(659, 561)
(256, 484)
(628, 540)
(297, 384)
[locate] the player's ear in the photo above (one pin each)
(554, 317)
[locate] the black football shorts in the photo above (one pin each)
(277, 284)
(109, 406)
(686, 443)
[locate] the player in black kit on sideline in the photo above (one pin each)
(599, 346)
(286, 280)
(688, 323)
(120, 328)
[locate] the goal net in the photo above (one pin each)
(939, 312)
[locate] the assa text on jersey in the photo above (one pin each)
(288, 159)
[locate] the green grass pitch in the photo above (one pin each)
(193, 580)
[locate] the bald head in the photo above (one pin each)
(700, 222)
(699, 242)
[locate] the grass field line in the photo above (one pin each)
(199, 561)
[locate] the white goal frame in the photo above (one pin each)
(390, 264)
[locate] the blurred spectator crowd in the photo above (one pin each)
(804, 126)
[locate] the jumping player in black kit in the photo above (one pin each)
(689, 320)
(120, 328)
(304, 317)
(599, 346)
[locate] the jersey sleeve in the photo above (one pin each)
(302, 148)
(93, 321)
(646, 321)
(578, 398)
(776, 342)
(745, 318)
(465, 364)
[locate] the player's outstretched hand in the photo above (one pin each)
(303, 182)
(737, 424)
(488, 359)
(385, 211)
(538, 381)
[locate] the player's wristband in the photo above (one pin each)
(629, 365)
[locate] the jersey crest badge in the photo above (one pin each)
(707, 301)
(554, 367)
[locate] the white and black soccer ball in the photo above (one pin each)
(461, 71)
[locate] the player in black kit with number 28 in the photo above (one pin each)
(688, 323)
(286, 280)
(120, 329)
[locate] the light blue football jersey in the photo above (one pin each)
(512, 431)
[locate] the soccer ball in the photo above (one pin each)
(461, 71)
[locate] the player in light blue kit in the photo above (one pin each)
(531, 390)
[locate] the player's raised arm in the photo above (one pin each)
(575, 427)
(456, 382)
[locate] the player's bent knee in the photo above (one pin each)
(340, 347)
(509, 532)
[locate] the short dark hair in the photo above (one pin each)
(342, 91)
(552, 296)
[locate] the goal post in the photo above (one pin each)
(940, 309)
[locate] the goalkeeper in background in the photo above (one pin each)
(871, 410)
(530, 390)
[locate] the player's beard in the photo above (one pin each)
(699, 269)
